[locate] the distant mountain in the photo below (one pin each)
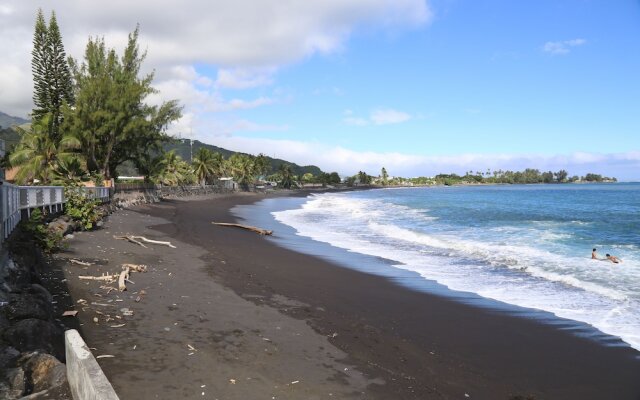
(7, 121)
(184, 149)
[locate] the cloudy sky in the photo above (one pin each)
(419, 87)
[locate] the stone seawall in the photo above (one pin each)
(128, 198)
(31, 337)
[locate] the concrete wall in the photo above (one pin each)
(86, 379)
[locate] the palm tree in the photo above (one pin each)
(242, 168)
(69, 170)
(38, 154)
(171, 170)
(220, 165)
(286, 176)
(203, 165)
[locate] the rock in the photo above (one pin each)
(12, 383)
(69, 236)
(61, 226)
(40, 291)
(44, 371)
(8, 357)
(35, 334)
(27, 305)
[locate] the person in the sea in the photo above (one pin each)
(613, 259)
(594, 255)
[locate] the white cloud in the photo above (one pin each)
(347, 162)
(563, 47)
(388, 116)
(381, 116)
(238, 36)
(355, 121)
(245, 78)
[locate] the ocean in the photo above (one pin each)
(524, 249)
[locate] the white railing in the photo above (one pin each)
(98, 193)
(9, 209)
(51, 197)
(14, 199)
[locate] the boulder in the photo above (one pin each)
(61, 226)
(26, 305)
(35, 334)
(40, 291)
(43, 371)
(8, 357)
(12, 383)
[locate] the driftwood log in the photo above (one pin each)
(108, 278)
(139, 239)
(250, 228)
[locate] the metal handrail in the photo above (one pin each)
(9, 209)
(14, 199)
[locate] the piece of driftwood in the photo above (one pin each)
(107, 278)
(250, 228)
(139, 239)
(130, 239)
(123, 278)
(135, 267)
(74, 261)
(124, 275)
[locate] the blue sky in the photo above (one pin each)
(418, 87)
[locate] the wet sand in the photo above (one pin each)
(231, 315)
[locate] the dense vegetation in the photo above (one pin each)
(528, 176)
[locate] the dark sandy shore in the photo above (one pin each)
(229, 315)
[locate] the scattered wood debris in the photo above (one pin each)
(251, 228)
(122, 277)
(139, 239)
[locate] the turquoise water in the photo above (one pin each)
(524, 245)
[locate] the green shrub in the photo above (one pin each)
(47, 240)
(80, 207)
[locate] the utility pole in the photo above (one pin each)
(191, 145)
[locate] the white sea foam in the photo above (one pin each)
(509, 263)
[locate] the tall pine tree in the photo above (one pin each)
(39, 67)
(51, 76)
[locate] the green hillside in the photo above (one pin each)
(183, 148)
(10, 137)
(7, 120)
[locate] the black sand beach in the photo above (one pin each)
(229, 315)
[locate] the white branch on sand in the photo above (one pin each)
(136, 239)
(251, 228)
(74, 261)
(107, 278)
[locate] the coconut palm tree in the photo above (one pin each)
(242, 168)
(203, 165)
(286, 176)
(37, 154)
(171, 170)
